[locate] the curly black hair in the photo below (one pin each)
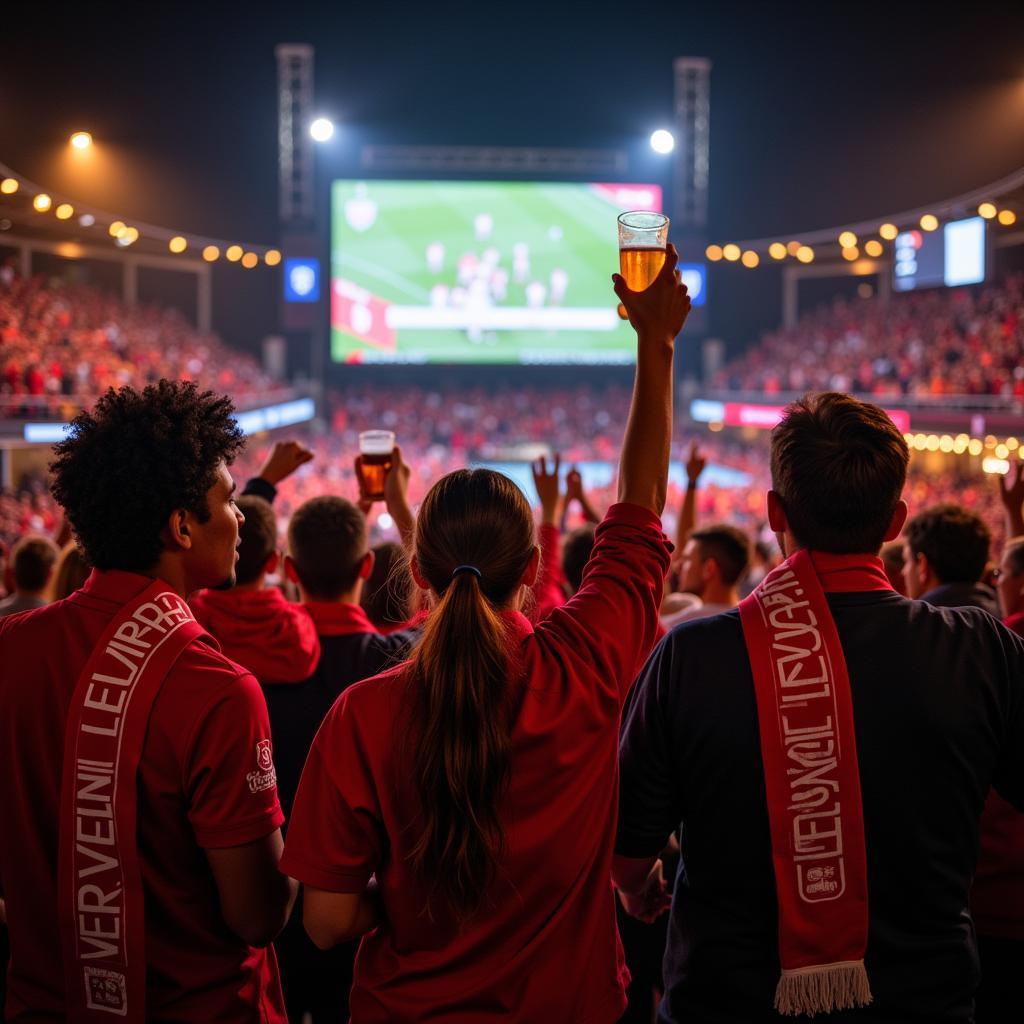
(135, 458)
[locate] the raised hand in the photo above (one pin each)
(1011, 494)
(284, 458)
(546, 482)
(695, 463)
(660, 310)
(573, 486)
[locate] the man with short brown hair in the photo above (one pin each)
(827, 749)
(329, 558)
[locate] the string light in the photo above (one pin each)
(929, 222)
(888, 231)
(1007, 217)
(873, 247)
(249, 260)
(751, 259)
(9, 186)
(847, 240)
(177, 244)
(713, 253)
(777, 251)
(233, 253)
(851, 253)
(805, 254)
(987, 210)
(271, 257)
(211, 253)
(116, 228)
(42, 202)
(65, 211)
(731, 252)
(793, 247)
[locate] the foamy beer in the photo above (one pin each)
(375, 448)
(643, 237)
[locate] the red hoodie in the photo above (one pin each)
(271, 637)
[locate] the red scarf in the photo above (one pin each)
(99, 881)
(809, 751)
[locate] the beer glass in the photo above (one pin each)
(375, 448)
(643, 237)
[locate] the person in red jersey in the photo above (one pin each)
(458, 811)
(329, 558)
(255, 625)
(141, 821)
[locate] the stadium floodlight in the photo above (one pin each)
(322, 129)
(662, 141)
(81, 140)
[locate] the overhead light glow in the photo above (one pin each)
(662, 141)
(322, 129)
(81, 140)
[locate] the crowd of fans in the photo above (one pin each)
(959, 341)
(425, 688)
(61, 346)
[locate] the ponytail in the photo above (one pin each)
(460, 671)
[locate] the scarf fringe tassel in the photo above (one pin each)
(822, 989)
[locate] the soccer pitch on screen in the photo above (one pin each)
(479, 272)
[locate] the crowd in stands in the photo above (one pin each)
(956, 341)
(615, 756)
(61, 346)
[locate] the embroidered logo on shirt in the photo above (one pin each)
(266, 776)
(105, 990)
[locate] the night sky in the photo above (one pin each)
(821, 113)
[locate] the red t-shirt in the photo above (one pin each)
(200, 787)
(273, 638)
(545, 948)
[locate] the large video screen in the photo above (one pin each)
(953, 256)
(478, 272)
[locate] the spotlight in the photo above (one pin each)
(662, 141)
(322, 129)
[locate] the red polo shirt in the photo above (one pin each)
(545, 946)
(199, 787)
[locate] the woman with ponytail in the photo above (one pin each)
(458, 811)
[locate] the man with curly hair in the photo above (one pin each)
(138, 792)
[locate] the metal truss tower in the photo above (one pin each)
(693, 122)
(296, 197)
